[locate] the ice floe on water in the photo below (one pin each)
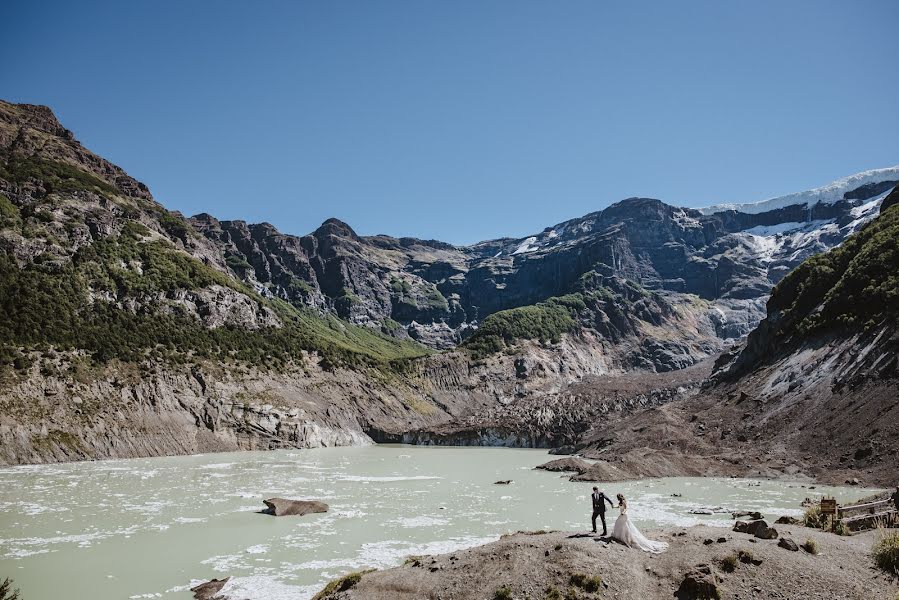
(390, 478)
(269, 587)
(422, 521)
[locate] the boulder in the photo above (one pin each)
(563, 450)
(281, 507)
(785, 520)
(758, 528)
(698, 584)
(752, 514)
(209, 590)
(502, 482)
(578, 465)
(788, 544)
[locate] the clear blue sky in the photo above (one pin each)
(462, 120)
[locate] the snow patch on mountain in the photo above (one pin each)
(828, 194)
(767, 230)
(528, 245)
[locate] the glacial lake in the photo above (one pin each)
(148, 528)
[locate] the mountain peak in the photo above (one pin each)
(36, 116)
(335, 227)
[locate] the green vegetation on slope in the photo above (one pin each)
(129, 266)
(9, 212)
(49, 305)
(545, 321)
(56, 176)
(855, 284)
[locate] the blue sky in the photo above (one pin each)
(462, 120)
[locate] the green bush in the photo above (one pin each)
(298, 286)
(56, 176)
(586, 583)
(437, 301)
(545, 321)
(728, 564)
(174, 225)
(812, 517)
(239, 263)
(855, 284)
(9, 212)
(503, 593)
(7, 592)
(886, 552)
(810, 546)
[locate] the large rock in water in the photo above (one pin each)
(577, 465)
(281, 507)
(209, 590)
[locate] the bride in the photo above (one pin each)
(628, 534)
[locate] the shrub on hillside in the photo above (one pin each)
(886, 552)
(810, 546)
(503, 593)
(341, 585)
(7, 592)
(812, 516)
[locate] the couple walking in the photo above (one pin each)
(624, 531)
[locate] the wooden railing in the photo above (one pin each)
(869, 514)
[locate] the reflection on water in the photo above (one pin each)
(146, 528)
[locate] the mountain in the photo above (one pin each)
(130, 330)
(439, 294)
(812, 391)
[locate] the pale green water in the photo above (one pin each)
(146, 528)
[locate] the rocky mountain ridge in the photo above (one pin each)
(438, 294)
(811, 394)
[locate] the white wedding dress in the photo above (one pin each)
(628, 534)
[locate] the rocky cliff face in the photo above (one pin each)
(812, 392)
(438, 294)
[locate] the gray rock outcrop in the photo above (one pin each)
(282, 507)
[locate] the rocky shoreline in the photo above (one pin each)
(701, 562)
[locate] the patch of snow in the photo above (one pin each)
(827, 194)
(528, 245)
(865, 213)
(774, 229)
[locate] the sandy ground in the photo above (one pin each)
(533, 565)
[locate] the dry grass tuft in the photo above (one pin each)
(810, 546)
(886, 552)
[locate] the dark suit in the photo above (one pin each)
(599, 510)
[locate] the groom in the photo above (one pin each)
(599, 509)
